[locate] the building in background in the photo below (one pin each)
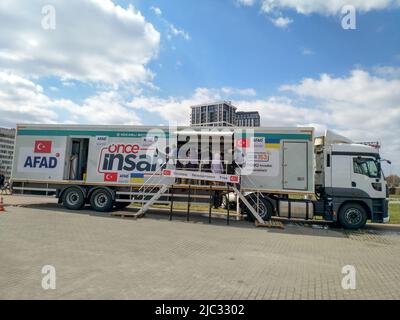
(217, 114)
(222, 114)
(7, 137)
(247, 119)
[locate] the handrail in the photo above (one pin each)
(258, 193)
(155, 172)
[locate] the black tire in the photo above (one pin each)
(265, 208)
(121, 205)
(73, 198)
(352, 216)
(101, 200)
(224, 202)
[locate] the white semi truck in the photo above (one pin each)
(261, 168)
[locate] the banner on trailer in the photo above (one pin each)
(42, 158)
(257, 156)
(130, 160)
(198, 175)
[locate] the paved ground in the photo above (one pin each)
(101, 257)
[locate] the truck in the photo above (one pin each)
(283, 172)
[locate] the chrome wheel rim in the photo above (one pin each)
(261, 209)
(73, 197)
(353, 216)
(100, 200)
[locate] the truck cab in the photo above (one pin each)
(349, 182)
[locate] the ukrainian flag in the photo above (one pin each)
(137, 177)
(272, 145)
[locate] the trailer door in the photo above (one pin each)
(295, 165)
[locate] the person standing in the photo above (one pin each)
(217, 168)
(2, 179)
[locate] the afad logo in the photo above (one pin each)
(42, 158)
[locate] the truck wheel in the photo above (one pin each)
(264, 208)
(101, 200)
(73, 198)
(121, 205)
(224, 202)
(352, 216)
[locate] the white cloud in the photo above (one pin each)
(94, 40)
(307, 52)
(246, 3)
(388, 71)
(361, 106)
(274, 8)
(107, 107)
(281, 22)
(240, 92)
(177, 109)
(173, 31)
(23, 101)
(327, 7)
(156, 10)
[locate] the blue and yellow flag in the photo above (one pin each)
(137, 177)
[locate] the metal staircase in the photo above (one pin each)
(149, 194)
(248, 205)
(153, 199)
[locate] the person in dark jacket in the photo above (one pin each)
(2, 179)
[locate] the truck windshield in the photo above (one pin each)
(366, 167)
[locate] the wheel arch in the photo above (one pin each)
(361, 202)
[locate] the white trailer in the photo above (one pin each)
(107, 166)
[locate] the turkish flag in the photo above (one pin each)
(167, 172)
(243, 143)
(234, 179)
(42, 146)
(111, 177)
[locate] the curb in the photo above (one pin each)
(381, 226)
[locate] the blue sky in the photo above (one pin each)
(239, 47)
(146, 62)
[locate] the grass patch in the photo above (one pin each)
(394, 210)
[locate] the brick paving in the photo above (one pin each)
(99, 257)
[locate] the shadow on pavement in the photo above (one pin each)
(200, 218)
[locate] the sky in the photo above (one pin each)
(146, 62)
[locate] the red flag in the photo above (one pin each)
(243, 143)
(111, 177)
(234, 178)
(42, 146)
(167, 172)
